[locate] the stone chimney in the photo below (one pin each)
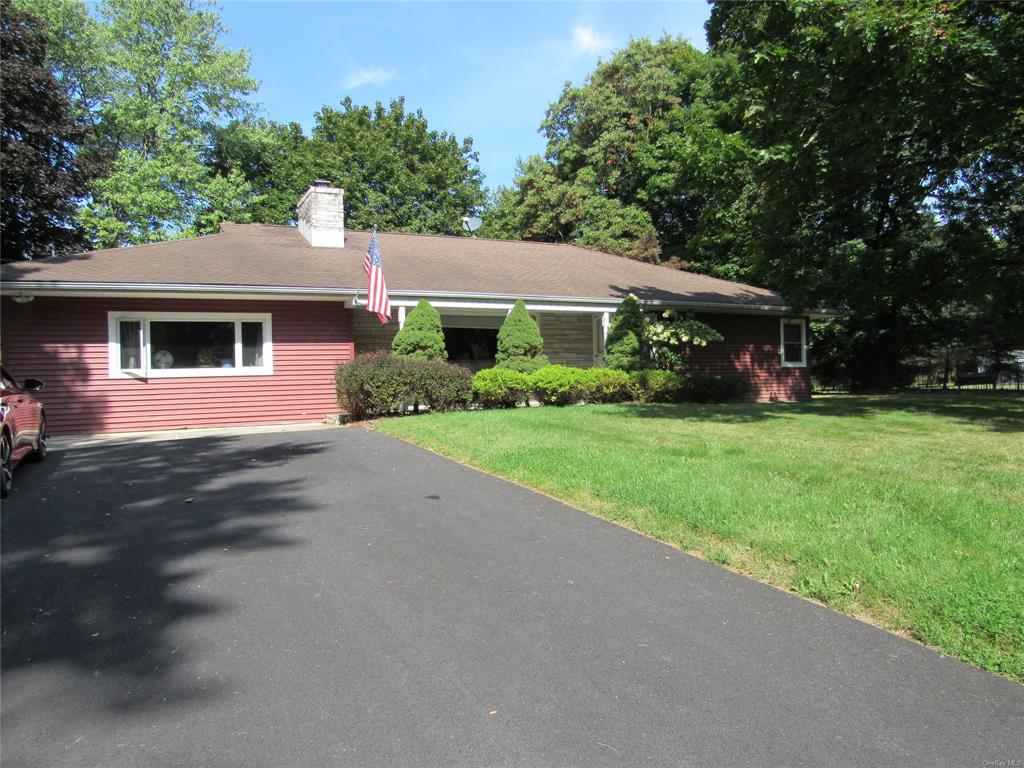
(321, 215)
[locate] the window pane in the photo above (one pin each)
(175, 344)
(130, 332)
(793, 343)
(252, 345)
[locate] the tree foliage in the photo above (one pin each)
(542, 206)
(153, 80)
(639, 162)
(273, 160)
(397, 173)
(863, 156)
(44, 176)
(879, 132)
(421, 337)
(520, 346)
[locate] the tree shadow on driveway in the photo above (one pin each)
(105, 550)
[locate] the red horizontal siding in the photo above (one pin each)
(63, 341)
(751, 351)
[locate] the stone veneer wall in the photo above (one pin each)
(370, 334)
(568, 338)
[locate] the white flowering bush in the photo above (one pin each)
(671, 332)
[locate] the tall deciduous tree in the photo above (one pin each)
(639, 162)
(43, 175)
(155, 80)
(397, 173)
(873, 124)
(272, 157)
(544, 206)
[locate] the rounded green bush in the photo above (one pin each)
(655, 386)
(605, 385)
(373, 384)
(559, 384)
(421, 337)
(501, 387)
(442, 386)
(379, 383)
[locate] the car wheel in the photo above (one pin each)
(40, 452)
(6, 477)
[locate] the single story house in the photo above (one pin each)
(248, 325)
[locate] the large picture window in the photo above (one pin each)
(181, 344)
(794, 343)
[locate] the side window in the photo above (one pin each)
(794, 343)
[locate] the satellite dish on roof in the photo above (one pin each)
(471, 224)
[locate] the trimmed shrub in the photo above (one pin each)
(713, 389)
(374, 384)
(604, 385)
(558, 384)
(379, 383)
(655, 386)
(520, 345)
(501, 387)
(442, 386)
(626, 348)
(421, 337)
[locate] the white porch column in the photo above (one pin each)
(606, 320)
(401, 317)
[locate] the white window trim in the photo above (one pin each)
(783, 322)
(115, 371)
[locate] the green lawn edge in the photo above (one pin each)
(903, 510)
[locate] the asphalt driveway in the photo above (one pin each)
(342, 598)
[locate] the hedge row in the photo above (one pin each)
(561, 385)
(379, 384)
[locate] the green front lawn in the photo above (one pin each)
(905, 510)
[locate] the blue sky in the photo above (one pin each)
(486, 70)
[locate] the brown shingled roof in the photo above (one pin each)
(257, 255)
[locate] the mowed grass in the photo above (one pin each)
(905, 510)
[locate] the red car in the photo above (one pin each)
(23, 421)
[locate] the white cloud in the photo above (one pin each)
(588, 41)
(369, 76)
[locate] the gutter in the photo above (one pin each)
(59, 288)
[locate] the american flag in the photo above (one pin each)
(377, 292)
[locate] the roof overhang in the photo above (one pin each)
(352, 297)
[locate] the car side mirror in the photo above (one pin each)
(32, 385)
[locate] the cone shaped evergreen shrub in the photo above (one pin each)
(421, 338)
(520, 346)
(626, 348)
